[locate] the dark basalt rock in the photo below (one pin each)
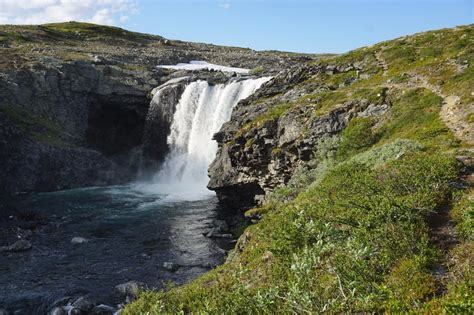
(129, 290)
(159, 119)
(74, 109)
(252, 161)
(51, 112)
(102, 309)
(18, 246)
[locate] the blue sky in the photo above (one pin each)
(302, 26)
(313, 26)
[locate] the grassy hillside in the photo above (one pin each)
(381, 219)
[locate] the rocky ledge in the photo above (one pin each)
(75, 99)
(274, 131)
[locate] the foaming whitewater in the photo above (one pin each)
(200, 113)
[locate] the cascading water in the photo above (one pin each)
(201, 112)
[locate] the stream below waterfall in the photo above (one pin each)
(127, 236)
(86, 241)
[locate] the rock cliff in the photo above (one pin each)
(273, 132)
(75, 99)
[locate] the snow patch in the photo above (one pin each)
(203, 65)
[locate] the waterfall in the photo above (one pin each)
(200, 113)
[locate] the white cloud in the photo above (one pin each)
(225, 6)
(108, 12)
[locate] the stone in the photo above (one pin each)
(18, 246)
(214, 234)
(211, 233)
(84, 305)
(221, 225)
(62, 301)
(170, 266)
(129, 289)
(74, 311)
(58, 311)
(102, 309)
(4, 312)
(251, 162)
(79, 240)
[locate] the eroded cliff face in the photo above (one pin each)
(277, 129)
(67, 124)
(75, 99)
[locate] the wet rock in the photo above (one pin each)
(223, 235)
(215, 233)
(221, 225)
(170, 266)
(62, 301)
(79, 240)
(102, 309)
(24, 233)
(58, 311)
(209, 265)
(83, 305)
(211, 233)
(74, 311)
(159, 119)
(18, 246)
(129, 289)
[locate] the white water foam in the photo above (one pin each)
(200, 113)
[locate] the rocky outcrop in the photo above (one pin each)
(159, 119)
(65, 125)
(259, 151)
(27, 164)
(75, 100)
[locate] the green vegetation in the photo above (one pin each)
(13, 37)
(95, 31)
(55, 32)
(272, 113)
(351, 231)
(463, 215)
(38, 128)
(412, 110)
(258, 70)
(356, 137)
(355, 241)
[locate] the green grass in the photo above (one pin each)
(37, 128)
(356, 137)
(273, 112)
(463, 215)
(348, 243)
(415, 115)
(96, 31)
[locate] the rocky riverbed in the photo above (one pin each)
(89, 251)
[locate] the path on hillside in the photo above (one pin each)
(453, 114)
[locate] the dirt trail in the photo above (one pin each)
(382, 63)
(442, 230)
(455, 116)
(442, 236)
